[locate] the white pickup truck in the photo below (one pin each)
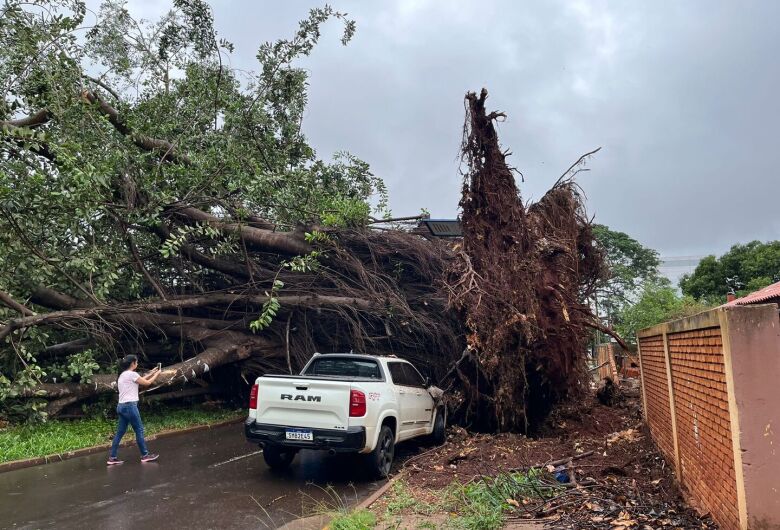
(344, 403)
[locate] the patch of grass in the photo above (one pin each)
(482, 505)
(336, 507)
(478, 505)
(401, 500)
(356, 520)
(59, 436)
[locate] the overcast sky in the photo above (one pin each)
(683, 98)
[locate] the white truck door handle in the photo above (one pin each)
(401, 392)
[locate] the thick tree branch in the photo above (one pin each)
(399, 219)
(15, 132)
(230, 268)
(56, 406)
(165, 148)
(609, 331)
(259, 222)
(67, 348)
(144, 314)
(8, 300)
(227, 349)
(104, 86)
(183, 393)
(251, 220)
(32, 121)
(116, 314)
(52, 299)
(283, 242)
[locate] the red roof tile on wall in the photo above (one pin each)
(767, 294)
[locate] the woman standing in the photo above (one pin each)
(127, 410)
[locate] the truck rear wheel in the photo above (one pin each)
(381, 458)
(278, 457)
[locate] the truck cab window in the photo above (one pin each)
(413, 376)
(344, 367)
(398, 374)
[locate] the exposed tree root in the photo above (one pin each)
(518, 283)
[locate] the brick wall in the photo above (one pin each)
(655, 387)
(703, 422)
(606, 361)
(711, 402)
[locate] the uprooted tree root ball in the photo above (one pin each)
(518, 282)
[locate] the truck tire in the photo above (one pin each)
(439, 434)
(278, 457)
(380, 460)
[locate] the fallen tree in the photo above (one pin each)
(194, 226)
(370, 291)
(189, 222)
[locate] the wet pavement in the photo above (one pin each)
(206, 479)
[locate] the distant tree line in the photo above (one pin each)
(741, 270)
(636, 296)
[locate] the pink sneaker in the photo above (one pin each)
(113, 461)
(149, 457)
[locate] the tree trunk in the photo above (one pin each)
(227, 349)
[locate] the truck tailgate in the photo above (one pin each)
(301, 402)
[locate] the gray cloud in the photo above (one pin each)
(681, 96)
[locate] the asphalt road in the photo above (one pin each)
(207, 479)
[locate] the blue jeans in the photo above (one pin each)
(129, 415)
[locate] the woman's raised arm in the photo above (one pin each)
(149, 378)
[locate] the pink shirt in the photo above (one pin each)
(128, 386)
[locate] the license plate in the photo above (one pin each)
(299, 434)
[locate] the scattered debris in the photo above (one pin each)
(608, 392)
(629, 435)
(602, 468)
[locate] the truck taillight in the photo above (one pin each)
(253, 397)
(357, 404)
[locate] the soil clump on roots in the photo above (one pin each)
(518, 282)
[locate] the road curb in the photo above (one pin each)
(59, 457)
(378, 493)
(322, 521)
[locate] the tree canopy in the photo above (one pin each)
(631, 267)
(154, 199)
(658, 302)
(743, 269)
